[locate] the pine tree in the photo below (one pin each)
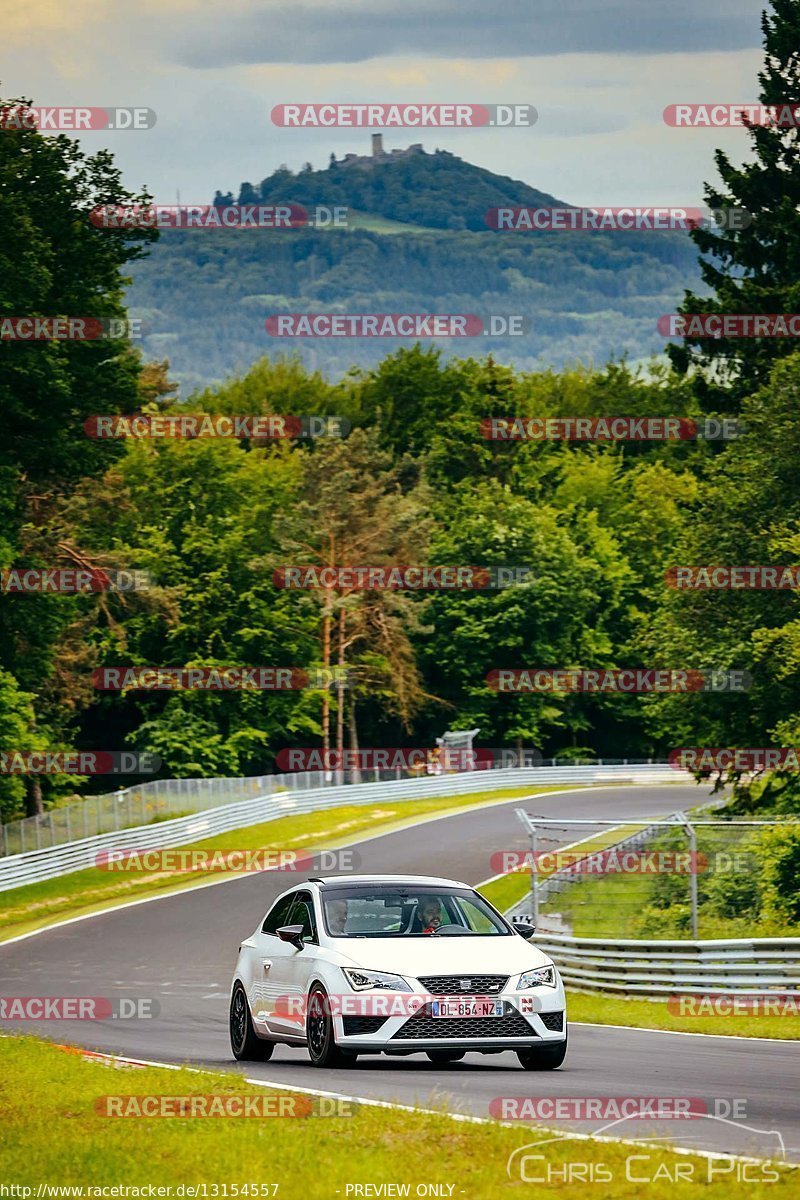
(753, 269)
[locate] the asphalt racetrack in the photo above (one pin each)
(181, 950)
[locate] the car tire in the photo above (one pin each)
(322, 1048)
(543, 1058)
(445, 1056)
(245, 1043)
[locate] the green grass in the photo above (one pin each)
(659, 906)
(506, 891)
(509, 889)
(94, 889)
(52, 1134)
(603, 1009)
(648, 906)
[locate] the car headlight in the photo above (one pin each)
(541, 977)
(361, 980)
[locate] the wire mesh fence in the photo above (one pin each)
(676, 877)
(161, 800)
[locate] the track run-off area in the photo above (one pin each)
(180, 950)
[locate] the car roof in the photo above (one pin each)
(389, 879)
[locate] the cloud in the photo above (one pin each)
(272, 31)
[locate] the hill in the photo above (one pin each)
(418, 243)
(438, 191)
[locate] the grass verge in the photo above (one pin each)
(604, 1009)
(95, 889)
(54, 1135)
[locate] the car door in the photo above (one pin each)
(269, 984)
(297, 968)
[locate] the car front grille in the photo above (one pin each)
(353, 1026)
(475, 985)
(423, 1025)
(554, 1021)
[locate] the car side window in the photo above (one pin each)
(278, 914)
(303, 914)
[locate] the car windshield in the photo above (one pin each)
(407, 912)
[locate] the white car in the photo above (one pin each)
(394, 964)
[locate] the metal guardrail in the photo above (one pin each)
(144, 803)
(162, 799)
(656, 967)
(31, 867)
(660, 968)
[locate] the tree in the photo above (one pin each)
(754, 269)
(358, 508)
(747, 512)
(17, 734)
(54, 263)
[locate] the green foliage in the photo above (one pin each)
(16, 733)
(779, 851)
(587, 297)
(753, 270)
(439, 191)
(53, 263)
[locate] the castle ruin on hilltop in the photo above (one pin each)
(378, 155)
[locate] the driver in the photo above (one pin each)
(336, 911)
(429, 914)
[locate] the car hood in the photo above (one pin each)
(441, 955)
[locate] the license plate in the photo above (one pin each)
(467, 1008)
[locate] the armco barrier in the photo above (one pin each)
(156, 800)
(662, 968)
(659, 968)
(31, 867)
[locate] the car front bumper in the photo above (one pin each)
(529, 1018)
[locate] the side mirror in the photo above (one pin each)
(523, 928)
(292, 934)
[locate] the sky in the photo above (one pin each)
(599, 74)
